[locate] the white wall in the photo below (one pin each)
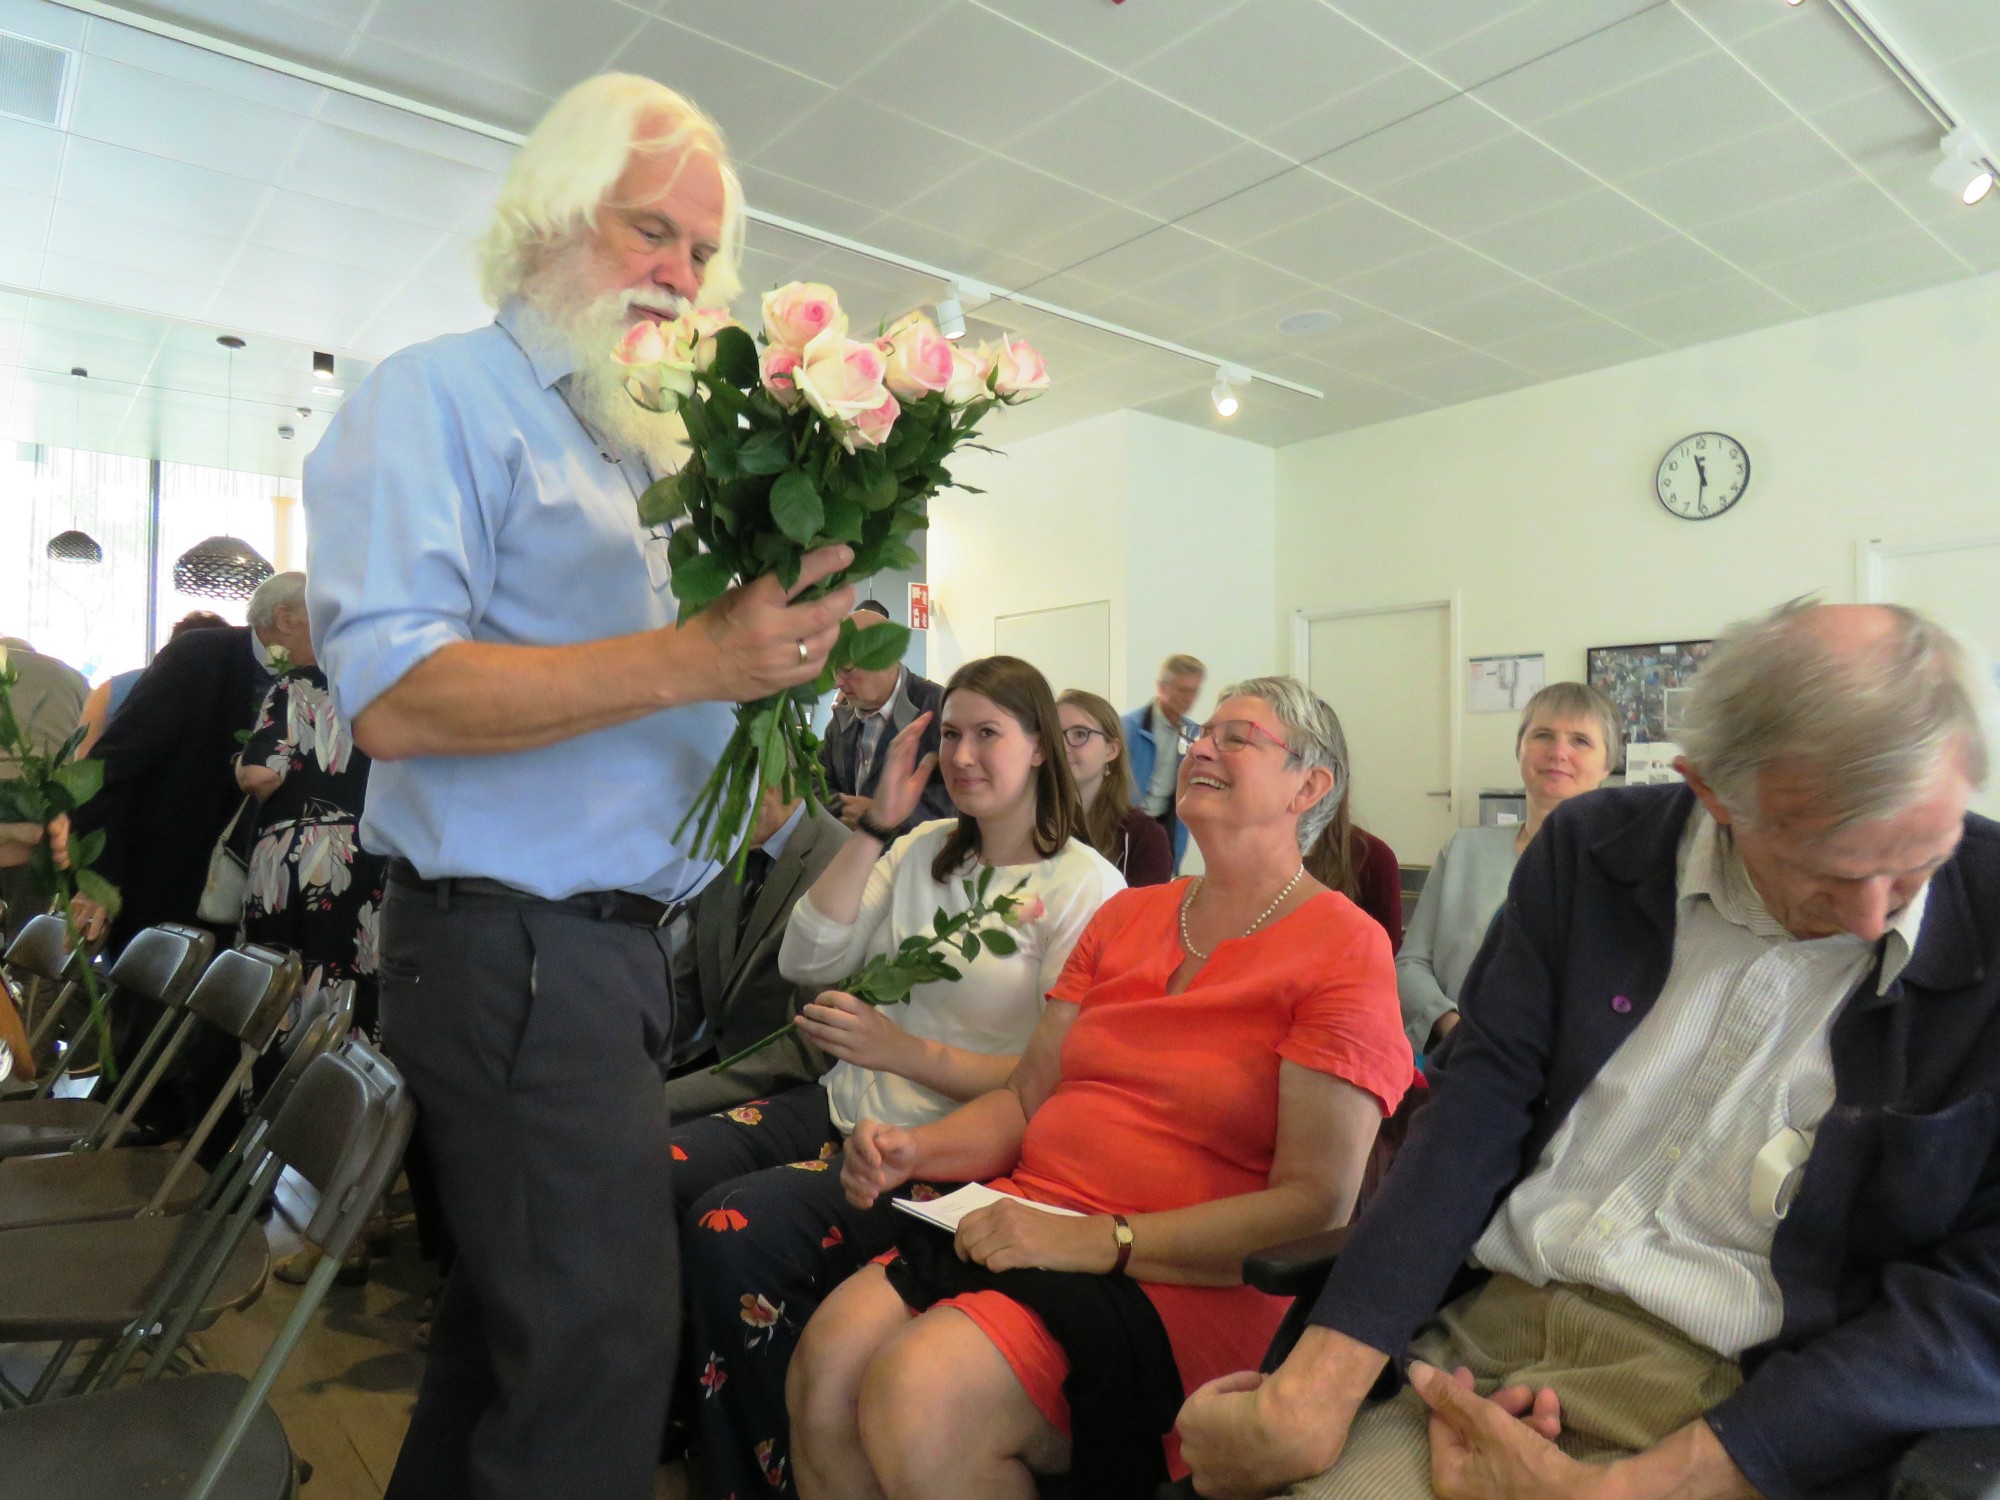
(1536, 508)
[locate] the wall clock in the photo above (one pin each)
(1702, 475)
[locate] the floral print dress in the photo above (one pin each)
(311, 885)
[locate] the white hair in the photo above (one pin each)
(569, 165)
(1313, 736)
(279, 591)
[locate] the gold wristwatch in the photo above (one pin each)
(1121, 1233)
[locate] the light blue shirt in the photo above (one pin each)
(456, 497)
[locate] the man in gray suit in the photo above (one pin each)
(880, 705)
(728, 992)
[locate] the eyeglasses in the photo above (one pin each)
(1234, 736)
(1079, 735)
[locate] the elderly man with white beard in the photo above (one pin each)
(498, 629)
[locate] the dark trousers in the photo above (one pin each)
(527, 1031)
(766, 1235)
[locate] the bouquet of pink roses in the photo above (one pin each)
(814, 438)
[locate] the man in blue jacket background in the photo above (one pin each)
(1156, 736)
(1708, 1202)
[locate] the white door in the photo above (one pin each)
(1954, 586)
(1388, 675)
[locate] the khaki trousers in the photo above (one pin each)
(1626, 1380)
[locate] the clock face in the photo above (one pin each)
(1703, 475)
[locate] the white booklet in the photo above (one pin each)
(945, 1212)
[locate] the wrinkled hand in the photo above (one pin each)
(903, 775)
(1239, 1449)
(90, 918)
(856, 1032)
(879, 1158)
(750, 637)
(17, 842)
(852, 807)
(1497, 1449)
(1008, 1236)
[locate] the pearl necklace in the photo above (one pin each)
(1195, 890)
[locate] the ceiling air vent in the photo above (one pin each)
(34, 79)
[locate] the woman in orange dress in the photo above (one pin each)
(1207, 1079)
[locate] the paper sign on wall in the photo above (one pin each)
(920, 606)
(1650, 762)
(1503, 684)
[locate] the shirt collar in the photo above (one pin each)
(775, 844)
(1711, 867)
(549, 354)
(887, 710)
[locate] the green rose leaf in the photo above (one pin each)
(700, 580)
(843, 520)
(998, 942)
(664, 502)
(695, 415)
(95, 887)
(735, 358)
(85, 851)
(879, 647)
(81, 778)
(969, 946)
(795, 506)
(766, 453)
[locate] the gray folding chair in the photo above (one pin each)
(40, 977)
(244, 993)
(343, 1129)
(130, 1182)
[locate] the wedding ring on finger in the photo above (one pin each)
(803, 653)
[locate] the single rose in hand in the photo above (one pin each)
(919, 357)
(841, 377)
(871, 428)
(969, 372)
(1019, 373)
(799, 312)
(1022, 912)
(775, 369)
(658, 359)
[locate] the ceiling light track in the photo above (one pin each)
(1965, 149)
(338, 84)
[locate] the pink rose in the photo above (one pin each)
(658, 359)
(799, 312)
(1026, 910)
(776, 369)
(969, 371)
(705, 323)
(919, 356)
(1019, 373)
(841, 377)
(871, 428)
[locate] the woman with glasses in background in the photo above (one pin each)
(1094, 741)
(1208, 1077)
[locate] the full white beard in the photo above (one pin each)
(589, 330)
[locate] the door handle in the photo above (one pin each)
(1445, 793)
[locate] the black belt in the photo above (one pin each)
(605, 906)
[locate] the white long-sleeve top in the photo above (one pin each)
(994, 1004)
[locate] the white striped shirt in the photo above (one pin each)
(1645, 1188)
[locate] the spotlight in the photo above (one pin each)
(1223, 393)
(951, 314)
(1966, 168)
(323, 365)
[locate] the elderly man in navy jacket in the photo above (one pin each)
(1709, 1201)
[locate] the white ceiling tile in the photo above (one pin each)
(401, 128)
(1726, 20)
(1830, 278)
(111, 238)
(261, 316)
(281, 275)
(305, 225)
(924, 76)
(1002, 203)
(1435, 278)
(1417, 29)
(1635, 275)
(1884, 123)
(30, 157)
(1229, 286)
(1638, 47)
(1117, 38)
(1844, 214)
(1570, 347)
(1489, 318)
(1362, 403)
(434, 309)
(24, 218)
(1207, 183)
(121, 286)
(1411, 145)
(366, 172)
(316, 29)
(987, 263)
(798, 34)
(1267, 414)
(163, 116)
(1814, 59)
(751, 98)
(1285, 198)
(1120, 140)
(540, 48)
(378, 338)
(1767, 165)
(1487, 185)
(53, 24)
(1695, 315)
(900, 155)
(415, 76)
(1256, 66)
(1158, 252)
(196, 65)
(1380, 352)
(1463, 377)
(1519, 37)
(792, 199)
(154, 188)
(1973, 237)
(453, 266)
(1583, 229)
(1347, 239)
(1688, 108)
(1360, 113)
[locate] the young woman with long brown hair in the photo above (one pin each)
(1094, 741)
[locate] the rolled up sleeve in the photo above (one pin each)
(400, 551)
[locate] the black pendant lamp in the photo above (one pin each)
(222, 567)
(75, 546)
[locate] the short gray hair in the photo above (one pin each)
(279, 591)
(1869, 724)
(1313, 735)
(1577, 700)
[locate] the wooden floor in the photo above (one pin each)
(345, 1395)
